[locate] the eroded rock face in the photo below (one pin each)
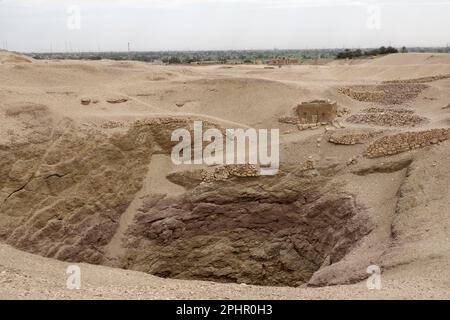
(73, 189)
(63, 188)
(266, 231)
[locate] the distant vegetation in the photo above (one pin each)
(231, 56)
(188, 57)
(358, 53)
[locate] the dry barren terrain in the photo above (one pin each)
(86, 177)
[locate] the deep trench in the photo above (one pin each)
(273, 242)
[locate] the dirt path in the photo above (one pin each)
(155, 182)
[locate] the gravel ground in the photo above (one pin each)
(27, 276)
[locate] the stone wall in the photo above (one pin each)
(406, 141)
(230, 171)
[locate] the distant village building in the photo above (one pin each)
(235, 62)
(317, 111)
(280, 61)
(157, 62)
(205, 63)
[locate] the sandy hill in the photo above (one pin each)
(400, 59)
(12, 57)
(392, 67)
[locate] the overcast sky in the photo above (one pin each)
(108, 25)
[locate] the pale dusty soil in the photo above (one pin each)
(26, 276)
(411, 238)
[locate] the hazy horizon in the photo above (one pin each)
(207, 25)
(221, 50)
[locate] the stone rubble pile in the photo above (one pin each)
(113, 124)
(381, 110)
(350, 137)
(386, 93)
(230, 171)
(289, 120)
(342, 112)
(406, 141)
(117, 100)
(309, 164)
(313, 126)
(388, 117)
(306, 126)
(301, 126)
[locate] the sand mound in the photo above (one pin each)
(422, 79)
(75, 66)
(399, 59)
(409, 66)
(24, 108)
(249, 101)
(12, 57)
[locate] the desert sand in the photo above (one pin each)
(86, 178)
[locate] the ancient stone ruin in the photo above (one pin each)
(279, 61)
(313, 114)
(317, 111)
